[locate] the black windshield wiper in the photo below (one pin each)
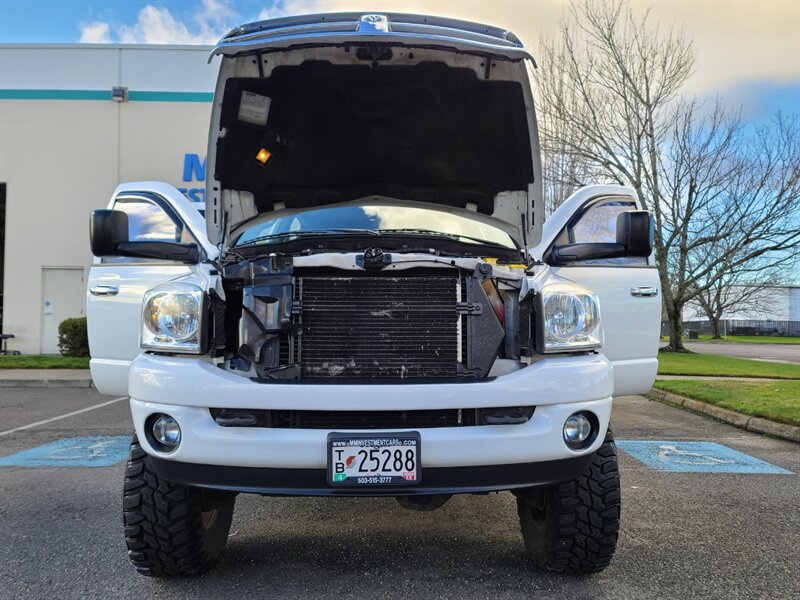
(453, 236)
(300, 234)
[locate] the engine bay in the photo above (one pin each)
(370, 315)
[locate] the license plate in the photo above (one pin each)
(373, 459)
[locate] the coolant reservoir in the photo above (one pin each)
(507, 267)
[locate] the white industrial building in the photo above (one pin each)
(769, 310)
(75, 120)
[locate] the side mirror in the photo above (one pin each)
(636, 231)
(108, 236)
(635, 235)
(107, 229)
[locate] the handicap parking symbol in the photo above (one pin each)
(673, 453)
(91, 451)
(696, 457)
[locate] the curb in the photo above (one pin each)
(46, 383)
(752, 424)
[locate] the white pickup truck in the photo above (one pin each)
(372, 305)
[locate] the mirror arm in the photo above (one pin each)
(570, 253)
(185, 253)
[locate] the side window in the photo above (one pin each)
(149, 222)
(598, 223)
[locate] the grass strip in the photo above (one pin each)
(775, 400)
(43, 362)
(673, 363)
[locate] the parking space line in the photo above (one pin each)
(58, 418)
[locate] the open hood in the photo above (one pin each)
(327, 109)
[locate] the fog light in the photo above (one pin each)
(166, 431)
(577, 429)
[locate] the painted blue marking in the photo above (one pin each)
(94, 451)
(696, 457)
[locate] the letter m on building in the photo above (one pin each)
(193, 168)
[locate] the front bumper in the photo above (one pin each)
(293, 461)
(313, 482)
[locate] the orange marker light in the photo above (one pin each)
(263, 156)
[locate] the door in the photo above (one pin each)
(117, 285)
(628, 288)
(62, 298)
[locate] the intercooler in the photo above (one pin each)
(382, 325)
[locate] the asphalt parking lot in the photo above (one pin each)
(684, 534)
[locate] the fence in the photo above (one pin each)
(740, 327)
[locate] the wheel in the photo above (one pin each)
(170, 529)
(572, 527)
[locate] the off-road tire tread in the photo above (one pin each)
(162, 522)
(585, 525)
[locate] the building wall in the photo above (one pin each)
(65, 145)
(794, 303)
(774, 303)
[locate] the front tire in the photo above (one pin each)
(171, 529)
(572, 527)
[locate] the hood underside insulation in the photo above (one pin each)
(334, 133)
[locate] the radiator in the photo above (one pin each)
(379, 325)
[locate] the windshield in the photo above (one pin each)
(375, 220)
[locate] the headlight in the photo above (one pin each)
(571, 319)
(172, 318)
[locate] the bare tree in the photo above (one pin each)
(729, 297)
(733, 212)
(610, 103)
(564, 170)
(563, 174)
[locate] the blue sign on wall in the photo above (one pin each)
(194, 170)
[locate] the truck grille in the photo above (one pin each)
(379, 325)
(390, 419)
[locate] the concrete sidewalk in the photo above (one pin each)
(49, 378)
(781, 353)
